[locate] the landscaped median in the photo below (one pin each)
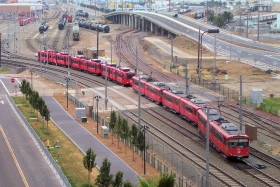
(68, 156)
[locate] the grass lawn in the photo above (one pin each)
(272, 105)
(70, 158)
(4, 70)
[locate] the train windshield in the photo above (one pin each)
(241, 143)
(130, 75)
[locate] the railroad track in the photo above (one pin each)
(265, 157)
(222, 176)
(126, 52)
(261, 176)
(268, 130)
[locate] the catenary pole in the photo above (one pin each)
(207, 150)
(187, 79)
(139, 89)
(241, 103)
(106, 96)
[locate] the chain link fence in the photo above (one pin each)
(159, 155)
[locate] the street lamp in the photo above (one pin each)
(144, 127)
(67, 84)
(230, 42)
(208, 31)
(97, 100)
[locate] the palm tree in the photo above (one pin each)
(228, 16)
(211, 17)
(89, 162)
(219, 21)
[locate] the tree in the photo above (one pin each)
(22, 86)
(125, 132)
(89, 162)
(118, 179)
(127, 183)
(118, 129)
(228, 16)
(112, 123)
(211, 17)
(133, 134)
(41, 103)
(47, 116)
(219, 21)
(104, 179)
(140, 143)
(166, 180)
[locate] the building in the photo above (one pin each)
(22, 8)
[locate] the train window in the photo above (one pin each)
(189, 108)
(176, 101)
(160, 93)
(218, 136)
(81, 63)
(147, 87)
(85, 64)
(238, 143)
(142, 84)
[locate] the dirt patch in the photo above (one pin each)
(122, 152)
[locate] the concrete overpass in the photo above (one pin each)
(142, 22)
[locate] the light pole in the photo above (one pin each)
(208, 31)
(97, 100)
(230, 42)
(207, 149)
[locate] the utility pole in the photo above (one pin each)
(247, 25)
(198, 51)
(258, 24)
(169, 6)
(241, 103)
(172, 53)
(97, 40)
(41, 56)
(214, 64)
(187, 79)
(106, 97)
(139, 90)
(47, 49)
(207, 150)
(0, 49)
(18, 40)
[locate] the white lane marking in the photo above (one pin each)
(5, 87)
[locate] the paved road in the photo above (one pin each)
(84, 140)
(264, 59)
(34, 168)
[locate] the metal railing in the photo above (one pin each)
(47, 156)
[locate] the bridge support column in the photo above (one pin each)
(152, 27)
(156, 29)
(135, 23)
(162, 31)
(143, 24)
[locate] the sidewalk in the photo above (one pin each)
(84, 140)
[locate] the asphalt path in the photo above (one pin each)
(85, 140)
(223, 48)
(34, 167)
